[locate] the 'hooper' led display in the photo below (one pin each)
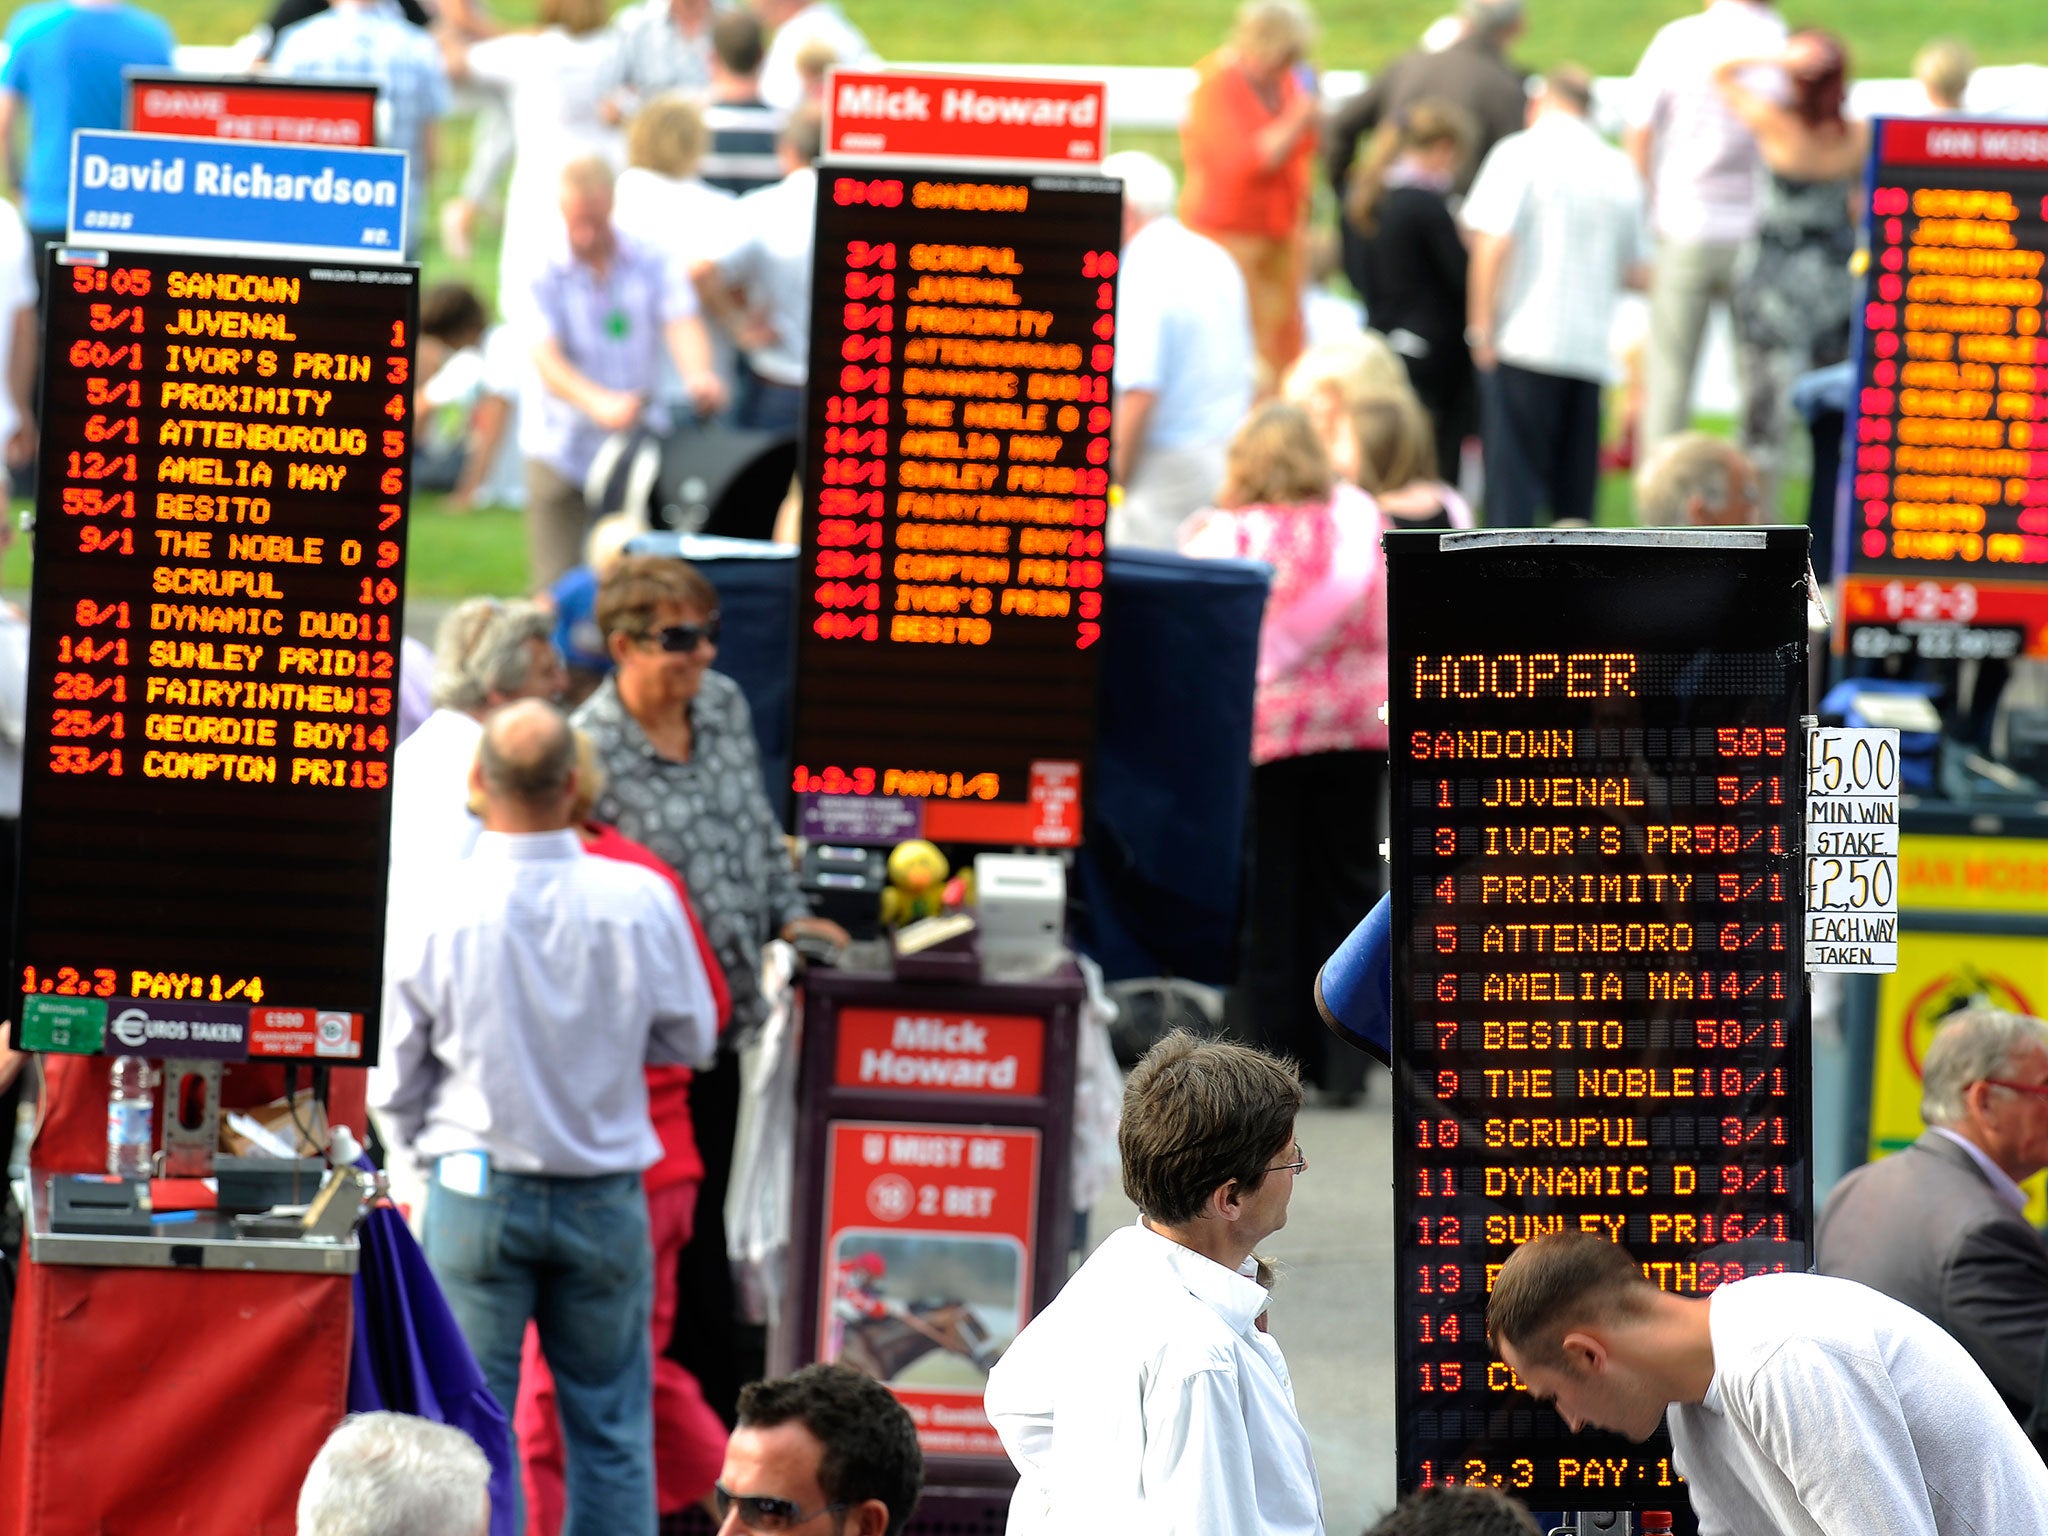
(1599, 1011)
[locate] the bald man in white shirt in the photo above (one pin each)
(522, 1001)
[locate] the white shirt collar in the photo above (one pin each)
(2001, 1182)
(1233, 1296)
(525, 847)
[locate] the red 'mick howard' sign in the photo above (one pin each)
(900, 115)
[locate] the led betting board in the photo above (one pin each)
(1946, 517)
(213, 674)
(1599, 1017)
(955, 487)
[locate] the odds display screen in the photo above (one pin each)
(1946, 520)
(213, 672)
(1599, 1016)
(955, 494)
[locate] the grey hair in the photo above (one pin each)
(390, 1474)
(482, 649)
(1682, 467)
(454, 643)
(1970, 1046)
(1490, 18)
(1148, 181)
(502, 660)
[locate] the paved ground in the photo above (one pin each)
(1333, 1309)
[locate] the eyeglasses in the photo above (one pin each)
(1300, 1162)
(760, 1513)
(682, 639)
(2032, 1090)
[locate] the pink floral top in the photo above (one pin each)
(1323, 645)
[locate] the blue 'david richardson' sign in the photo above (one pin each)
(156, 192)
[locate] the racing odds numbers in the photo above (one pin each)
(956, 492)
(1597, 785)
(220, 553)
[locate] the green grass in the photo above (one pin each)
(1606, 36)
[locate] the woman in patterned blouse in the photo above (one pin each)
(684, 778)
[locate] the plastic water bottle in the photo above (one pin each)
(131, 1134)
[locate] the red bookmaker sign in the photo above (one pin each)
(999, 1054)
(898, 115)
(927, 1265)
(274, 111)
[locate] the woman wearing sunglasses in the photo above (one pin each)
(684, 778)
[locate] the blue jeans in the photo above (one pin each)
(573, 1255)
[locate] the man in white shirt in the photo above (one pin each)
(1556, 216)
(599, 315)
(520, 1007)
(1184, 359)
(758, 288)
(1701, 167)
(1941, 1224)
(1798, 1404)
(797, 24)
(1146, 1397)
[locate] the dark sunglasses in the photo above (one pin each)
(681, 639)
(760, 1513)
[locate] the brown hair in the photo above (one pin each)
(668, 136)
(1427, 124)
(1457, 1511)
(1820, 86)
(1571, 84)
(576, 17)
(1199, 1114)
(1396, 444)
(1562, 1280)
(737, 40)
(639, 584)
(1276, 459)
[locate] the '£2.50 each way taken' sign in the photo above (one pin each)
(1852, 850)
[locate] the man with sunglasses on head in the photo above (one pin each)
(1148, 1396)
(827, 1451)
(1941, 1224)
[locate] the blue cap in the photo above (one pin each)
(1355, 988)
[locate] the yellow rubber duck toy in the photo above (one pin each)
(917, 883)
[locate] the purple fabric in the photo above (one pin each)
(409, 1356)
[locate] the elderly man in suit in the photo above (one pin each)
(1939, 1225)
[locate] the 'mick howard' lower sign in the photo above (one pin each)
(147, 191)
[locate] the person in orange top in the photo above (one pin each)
(1249, 145)
(689, 1436)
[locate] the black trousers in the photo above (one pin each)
(710, 1342)
(1542, 437)
(1313, 872)
(1447, 389)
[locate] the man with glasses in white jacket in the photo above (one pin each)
(1149, 1396)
